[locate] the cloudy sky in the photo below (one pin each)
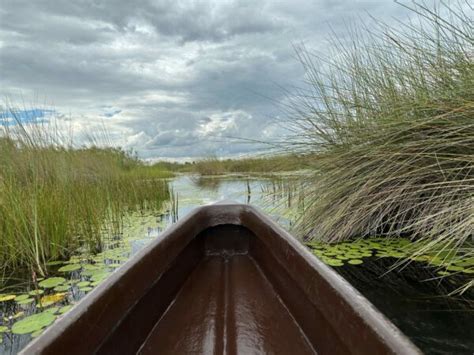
(171, 79)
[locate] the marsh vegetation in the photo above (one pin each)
(55, 199)
(390, 116)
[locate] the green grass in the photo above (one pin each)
(54, 200)
(391, 118)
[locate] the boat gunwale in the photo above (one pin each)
(205, 217)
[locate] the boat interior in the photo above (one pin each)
(225, 280)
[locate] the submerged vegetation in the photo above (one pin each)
(56, 199)
(391, 119)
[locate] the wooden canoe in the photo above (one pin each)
(224, 280)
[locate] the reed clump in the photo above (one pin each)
(390, 117)
(55, 199)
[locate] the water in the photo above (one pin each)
(420, 308)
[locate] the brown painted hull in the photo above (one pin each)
(224, 280)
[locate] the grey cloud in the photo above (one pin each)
(170, 78)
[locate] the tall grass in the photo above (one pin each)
(391, 118)
(55, 199)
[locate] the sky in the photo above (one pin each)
(172, 79)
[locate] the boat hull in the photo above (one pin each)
(224, 280)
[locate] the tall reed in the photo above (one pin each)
(56, 198)
(390, 116)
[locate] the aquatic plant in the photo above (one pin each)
(56, 197)
(390, 117)
(5, 298)
(70, 268)
(33, 323)
(356, 252)
(52, 282)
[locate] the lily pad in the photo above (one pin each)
(114, 265)
(334, 262)
(5, 298)
(52, 310)
(33, 323)
(90, 267)
(37, 333)
(62, 288)
(52, 282)
(26, 301)
(52, 299)
(69, 268)
(22, 297)
(36, 292)
(65, 309)
(355, 261)
(93, 272)
(85, 289)
(83, 284)
(100, 276)
(3, 329)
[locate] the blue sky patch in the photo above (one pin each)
(15, 117)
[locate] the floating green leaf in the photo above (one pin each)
(33, 323)
(36, 292)
(100, 276)
(85, 289)
(83, 284)
(37, 333)
(52, 299)
(65, 309)
(26, 301)
(114, 265)
(69, 268)
(62, 288)
(5, 298)
(333, 262)
(52, 282)
(3, 329)
(52, 310)
(21, 297)
(90, 267)
(355, 261)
